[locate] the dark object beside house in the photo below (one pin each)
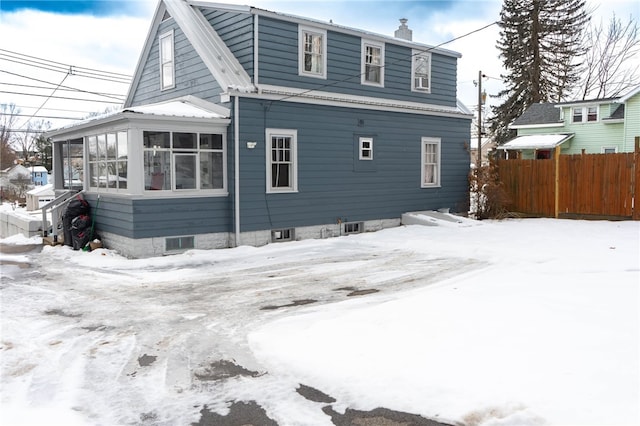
(76, 208)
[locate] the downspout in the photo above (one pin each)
(236, 178)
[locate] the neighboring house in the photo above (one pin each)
(245, 126)
(591, 126)
(39, 196)
(39, 175)
(15, 180)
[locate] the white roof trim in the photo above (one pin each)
(186, 107)
(537, 141)
(224, 67)
(175, 109)
(629, 95)
(536, 126)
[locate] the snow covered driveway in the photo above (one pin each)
(500, 323)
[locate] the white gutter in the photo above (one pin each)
(236, 172)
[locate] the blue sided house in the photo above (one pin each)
(244, 126)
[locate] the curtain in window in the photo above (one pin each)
(373, 61)
(430, 163)
(313, 53)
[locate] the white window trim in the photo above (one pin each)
(323, 33)
(430, 140)
(363, 65)
(604, 148)
(168, 34)
(213, 192)
(361, 148)
(585, 114)
(293, 134)
(414, 55)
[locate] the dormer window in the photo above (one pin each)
(312, 61)
(372, 63)
(421, 71)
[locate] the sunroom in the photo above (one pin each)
(171, 151)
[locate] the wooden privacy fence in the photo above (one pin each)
(581, 185)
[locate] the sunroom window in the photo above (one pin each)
(181, 161)
(108, 161)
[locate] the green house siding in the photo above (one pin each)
(632, 122)
(593, 136)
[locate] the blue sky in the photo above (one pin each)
(96, 8)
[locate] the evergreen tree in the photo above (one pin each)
(540, 46)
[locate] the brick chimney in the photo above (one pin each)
(403, 31)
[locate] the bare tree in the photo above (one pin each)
(8, 117)
(26, 142)
(609, 68)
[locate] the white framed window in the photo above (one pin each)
(430, 151)
(365, 148)
(167, 62)
(312, 47)
(184, 161)
(609, 149)
(584, 114)
(282, 162)
(372, 63)
(108, 161)
(421, 71)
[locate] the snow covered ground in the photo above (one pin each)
(515, 322)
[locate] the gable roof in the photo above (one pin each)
(538, 113)
(215, 54)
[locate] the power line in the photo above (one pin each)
(55, 109)
(48, 116)
(45, 101)
(62, 66)
(61, 97)
(74, 71)
(61, 89)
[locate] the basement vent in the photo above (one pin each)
(278, 235)
(179, 243)
(353, 227)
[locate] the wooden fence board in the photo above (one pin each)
(589, 185)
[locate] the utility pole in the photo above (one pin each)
(479, 160)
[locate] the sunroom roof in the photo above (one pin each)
(178, 108)
(537, 141)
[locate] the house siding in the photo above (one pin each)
(593, 135)
(330, 186)
(191, 74)
(632, 122)
(160, 217)
(278, 65)
(236, 30)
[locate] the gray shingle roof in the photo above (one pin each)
(540, 113)
(618, 113)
